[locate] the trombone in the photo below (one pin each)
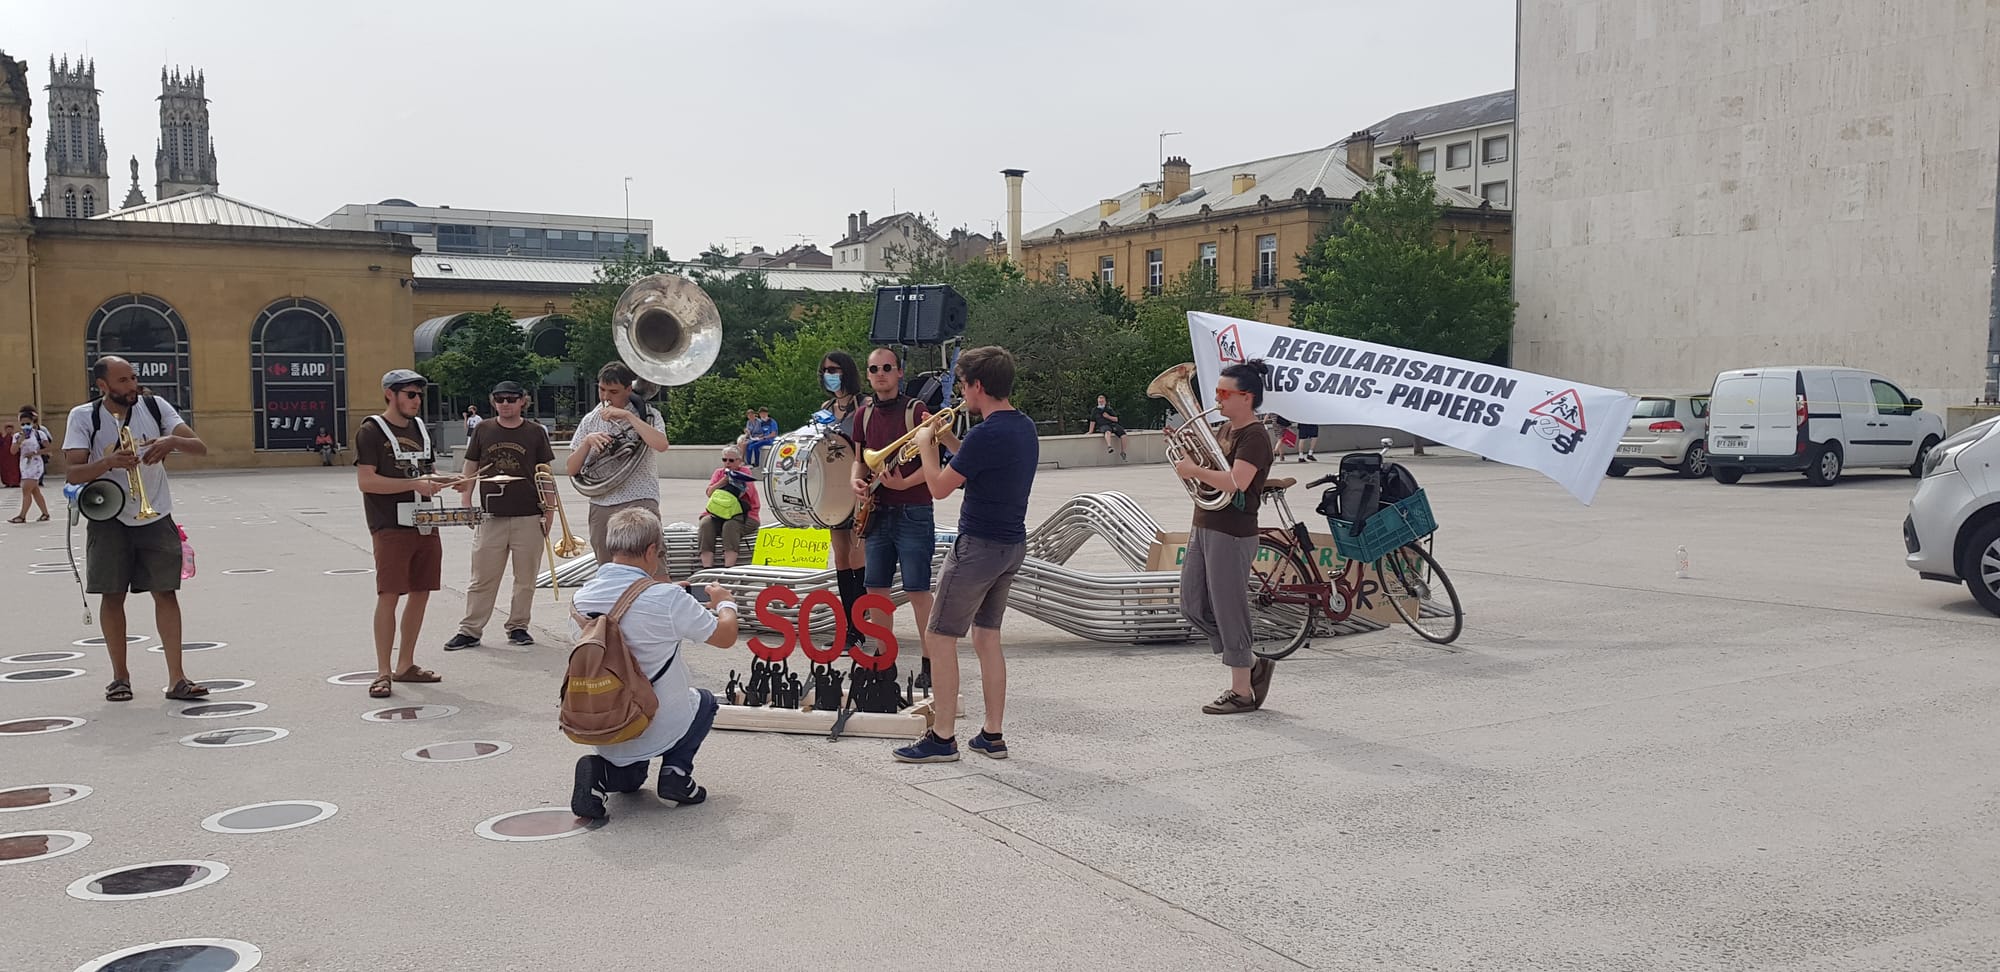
(545, 487)
(133, 480)
(904, 450)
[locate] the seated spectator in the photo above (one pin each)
(323, 444)
(733, 509)
(766, 433)
(1104, 420)
(653, 629)
(750, 427)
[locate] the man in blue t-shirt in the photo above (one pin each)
(996, 464)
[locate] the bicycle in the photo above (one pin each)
(1289, 593)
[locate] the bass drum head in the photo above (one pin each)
(805, 478)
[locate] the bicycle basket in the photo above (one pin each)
(1402, 522)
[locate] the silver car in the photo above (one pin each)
(1667, 431)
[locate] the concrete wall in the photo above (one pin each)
(1714, 184)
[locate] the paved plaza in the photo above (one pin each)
(1785, 761)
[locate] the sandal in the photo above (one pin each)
(415, 674)
(379, 688)
(44, 518)
(119, 690)
(18, 519)
(187, 691)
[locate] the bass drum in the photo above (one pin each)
(806, 478)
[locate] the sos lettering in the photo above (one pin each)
(798, 633)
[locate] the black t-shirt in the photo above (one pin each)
(372, 448)
(509, 452)
(1101, 415)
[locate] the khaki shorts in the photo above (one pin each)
(138, 559)
(407, 561)
(972, 589)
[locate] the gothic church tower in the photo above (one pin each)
(185, 161)
(79, 184)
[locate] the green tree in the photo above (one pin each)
(1385, 274)
(1161, 325)
(482, 351)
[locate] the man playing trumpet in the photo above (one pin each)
(901, 528)
(515, 527)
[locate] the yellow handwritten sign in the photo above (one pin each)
(787, 547)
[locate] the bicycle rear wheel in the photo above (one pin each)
(1284, 600)
(1412, 573)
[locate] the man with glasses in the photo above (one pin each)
(391, 452)
(640, 489)
(901, 528)
(515, 523)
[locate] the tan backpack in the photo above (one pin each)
(605, 697)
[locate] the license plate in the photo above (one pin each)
(1628, 450)
(1729, 442)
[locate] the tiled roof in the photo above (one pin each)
(582, 273)
(208, 209)
(1492, 109)
(1278, 177)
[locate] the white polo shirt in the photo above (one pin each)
(653, 629)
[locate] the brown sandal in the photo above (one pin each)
(415, 674)
(379, 688)
(119, 690)
(187, 691)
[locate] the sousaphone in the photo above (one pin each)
(669, 333)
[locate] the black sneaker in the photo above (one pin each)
(586, 797)
(680, 788)
(520, 636)
(461, 641)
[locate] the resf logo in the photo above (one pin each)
(1559, 420)
(1229, 344)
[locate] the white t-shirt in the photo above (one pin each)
(654, 628)
(645, 481)
(154, 476)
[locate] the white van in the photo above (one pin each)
(1815, 420)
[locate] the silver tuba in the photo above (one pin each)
(1193, 440)
(668, 332)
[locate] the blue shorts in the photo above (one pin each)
(901, 536)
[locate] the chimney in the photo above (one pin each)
(1106, 207)
(853, 227)
(1174, 177)
(1149, 196)
(863, 226)
(1242, 182)
(1014, 177)
(1407, 148)
(1361, 153)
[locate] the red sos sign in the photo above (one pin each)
(799, 633)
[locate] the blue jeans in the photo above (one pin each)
(905, 536)
(626, 779)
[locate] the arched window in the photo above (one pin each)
(298, 369)
(187, 139)
(89, 202)
(76, 136)
(148, 332)
(69, 202)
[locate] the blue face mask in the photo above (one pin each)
(832, 382)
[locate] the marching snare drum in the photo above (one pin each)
(806, 478)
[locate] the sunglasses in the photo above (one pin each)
(830, 370)
(1222, 393)
(410, 392)
(879, 369)
(730, 461)
(506, 399)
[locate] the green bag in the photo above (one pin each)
(724, 504)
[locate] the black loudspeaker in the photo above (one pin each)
(926, 315)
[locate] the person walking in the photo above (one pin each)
(1215, 573)
(31, 442)
(515, 524)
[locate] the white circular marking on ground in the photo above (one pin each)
(41, 657)
(98, 642)
(542, 823)
(221, 710)
(409, 713)
(155, 879)
(265, 818)
(352, 678)
(39, 845)
(38, 725)
(240, 571)
(191, 646)
(40, 674)
(216, 686)
(458, 752)
(37, 796)
(347, 571)
(183, 953)
(232, 738)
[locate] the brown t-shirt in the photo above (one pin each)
(509, 452)
(1249, 444)
(371, 448)
(882, 423)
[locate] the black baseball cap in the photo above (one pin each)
(510, 388)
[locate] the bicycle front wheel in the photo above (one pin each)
(1283, 600)
(1421, 593)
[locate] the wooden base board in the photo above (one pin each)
(907, 724)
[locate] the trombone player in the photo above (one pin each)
(140, 550)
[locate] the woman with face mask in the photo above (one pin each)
(841, 378)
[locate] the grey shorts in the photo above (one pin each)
(972, 588)
(138, 559)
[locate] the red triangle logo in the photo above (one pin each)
(1229, 344)
(1565, 409)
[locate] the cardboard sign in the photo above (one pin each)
(787, 547)
(1172, 550)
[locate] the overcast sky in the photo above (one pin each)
(752, 122)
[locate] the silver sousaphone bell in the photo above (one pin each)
(667, 330)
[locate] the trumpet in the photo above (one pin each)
(133, 479)
(545, 487)
(904, 451)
